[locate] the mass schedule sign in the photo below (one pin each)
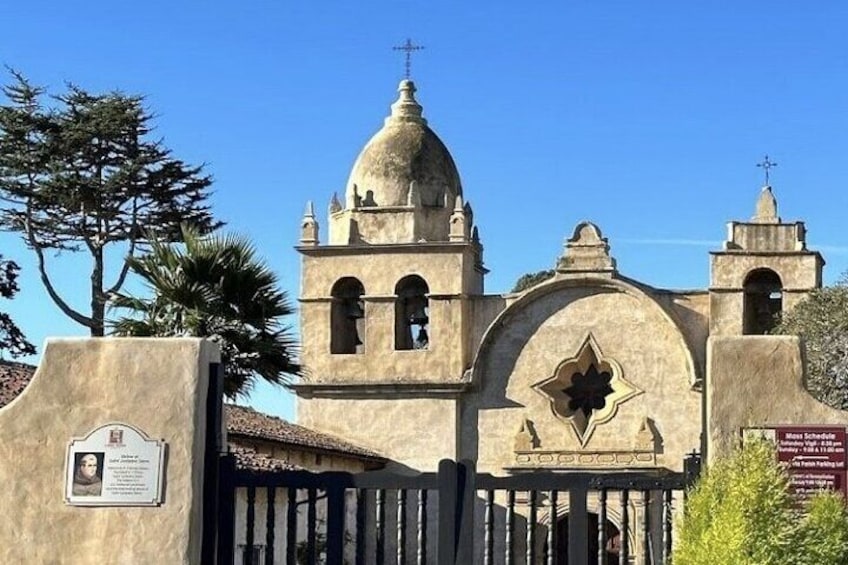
(813, 455)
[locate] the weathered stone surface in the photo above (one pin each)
(546, 326)
(157, 385)
(758, 381)
(404, 151)
(418, 432)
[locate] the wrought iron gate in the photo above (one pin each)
(453, 516)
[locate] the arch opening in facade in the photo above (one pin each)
(763, 296)
(347, 317)
(412, 314)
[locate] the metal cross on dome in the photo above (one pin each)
(766, 165)
(408, 47)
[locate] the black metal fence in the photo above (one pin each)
(453, 516)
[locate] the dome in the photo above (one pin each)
(404, 151)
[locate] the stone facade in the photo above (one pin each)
(587, 370)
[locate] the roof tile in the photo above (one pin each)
(247, 422)
(14, 377)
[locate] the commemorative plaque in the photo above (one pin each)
(114, 465)
(814, 456)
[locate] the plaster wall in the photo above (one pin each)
(387, 225)
(448, 269)
(797, 271)
(447, 356)
(412, 432)
(767, 236)
(536, 338)
(156, 385)
(757, 381)
(691, 310)
(444, 360)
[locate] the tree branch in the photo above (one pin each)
(63, 306)
(122, 276)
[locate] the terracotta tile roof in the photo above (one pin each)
(249, 460)
(247, 422)
(14, 377)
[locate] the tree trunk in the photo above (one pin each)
(98, 303)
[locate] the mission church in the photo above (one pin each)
(407, 355)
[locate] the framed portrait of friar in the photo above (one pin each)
(115, 464)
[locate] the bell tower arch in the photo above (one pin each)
(763, 269)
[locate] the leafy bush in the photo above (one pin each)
(741, 512)
(821, 319)
(529, 280)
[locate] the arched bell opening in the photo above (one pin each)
(763, 305)
(347, 317)
(412, 314)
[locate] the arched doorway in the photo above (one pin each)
(613, 546)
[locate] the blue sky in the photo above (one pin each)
(644, 117)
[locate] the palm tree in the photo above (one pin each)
(215, 286)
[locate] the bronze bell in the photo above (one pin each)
(423, 340)
(419, 317)
(354, 310)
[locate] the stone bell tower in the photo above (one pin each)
(385, 303)
(764, 268)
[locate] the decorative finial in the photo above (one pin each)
(586, 251)
(766, 212)
(335, 205)
(309, 226)
(766, 165)
(406, 108)
(458, 224)
(409, 47)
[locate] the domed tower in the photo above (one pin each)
(386, 302)
(404, 185)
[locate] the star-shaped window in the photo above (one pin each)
(586, 390)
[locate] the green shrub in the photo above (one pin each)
(823, 534)
(741, 512)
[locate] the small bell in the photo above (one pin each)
(419, 317)
(354, 310)
(423, 340)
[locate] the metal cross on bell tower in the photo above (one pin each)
(766, 165)
(408, 47)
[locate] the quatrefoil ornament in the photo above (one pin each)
(586, 390)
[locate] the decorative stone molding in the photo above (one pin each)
(586, 390)
(586, 251)
(526, 438)
(647, 437)
(556, 459)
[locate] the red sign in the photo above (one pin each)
(808, 483)
(815, 457)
